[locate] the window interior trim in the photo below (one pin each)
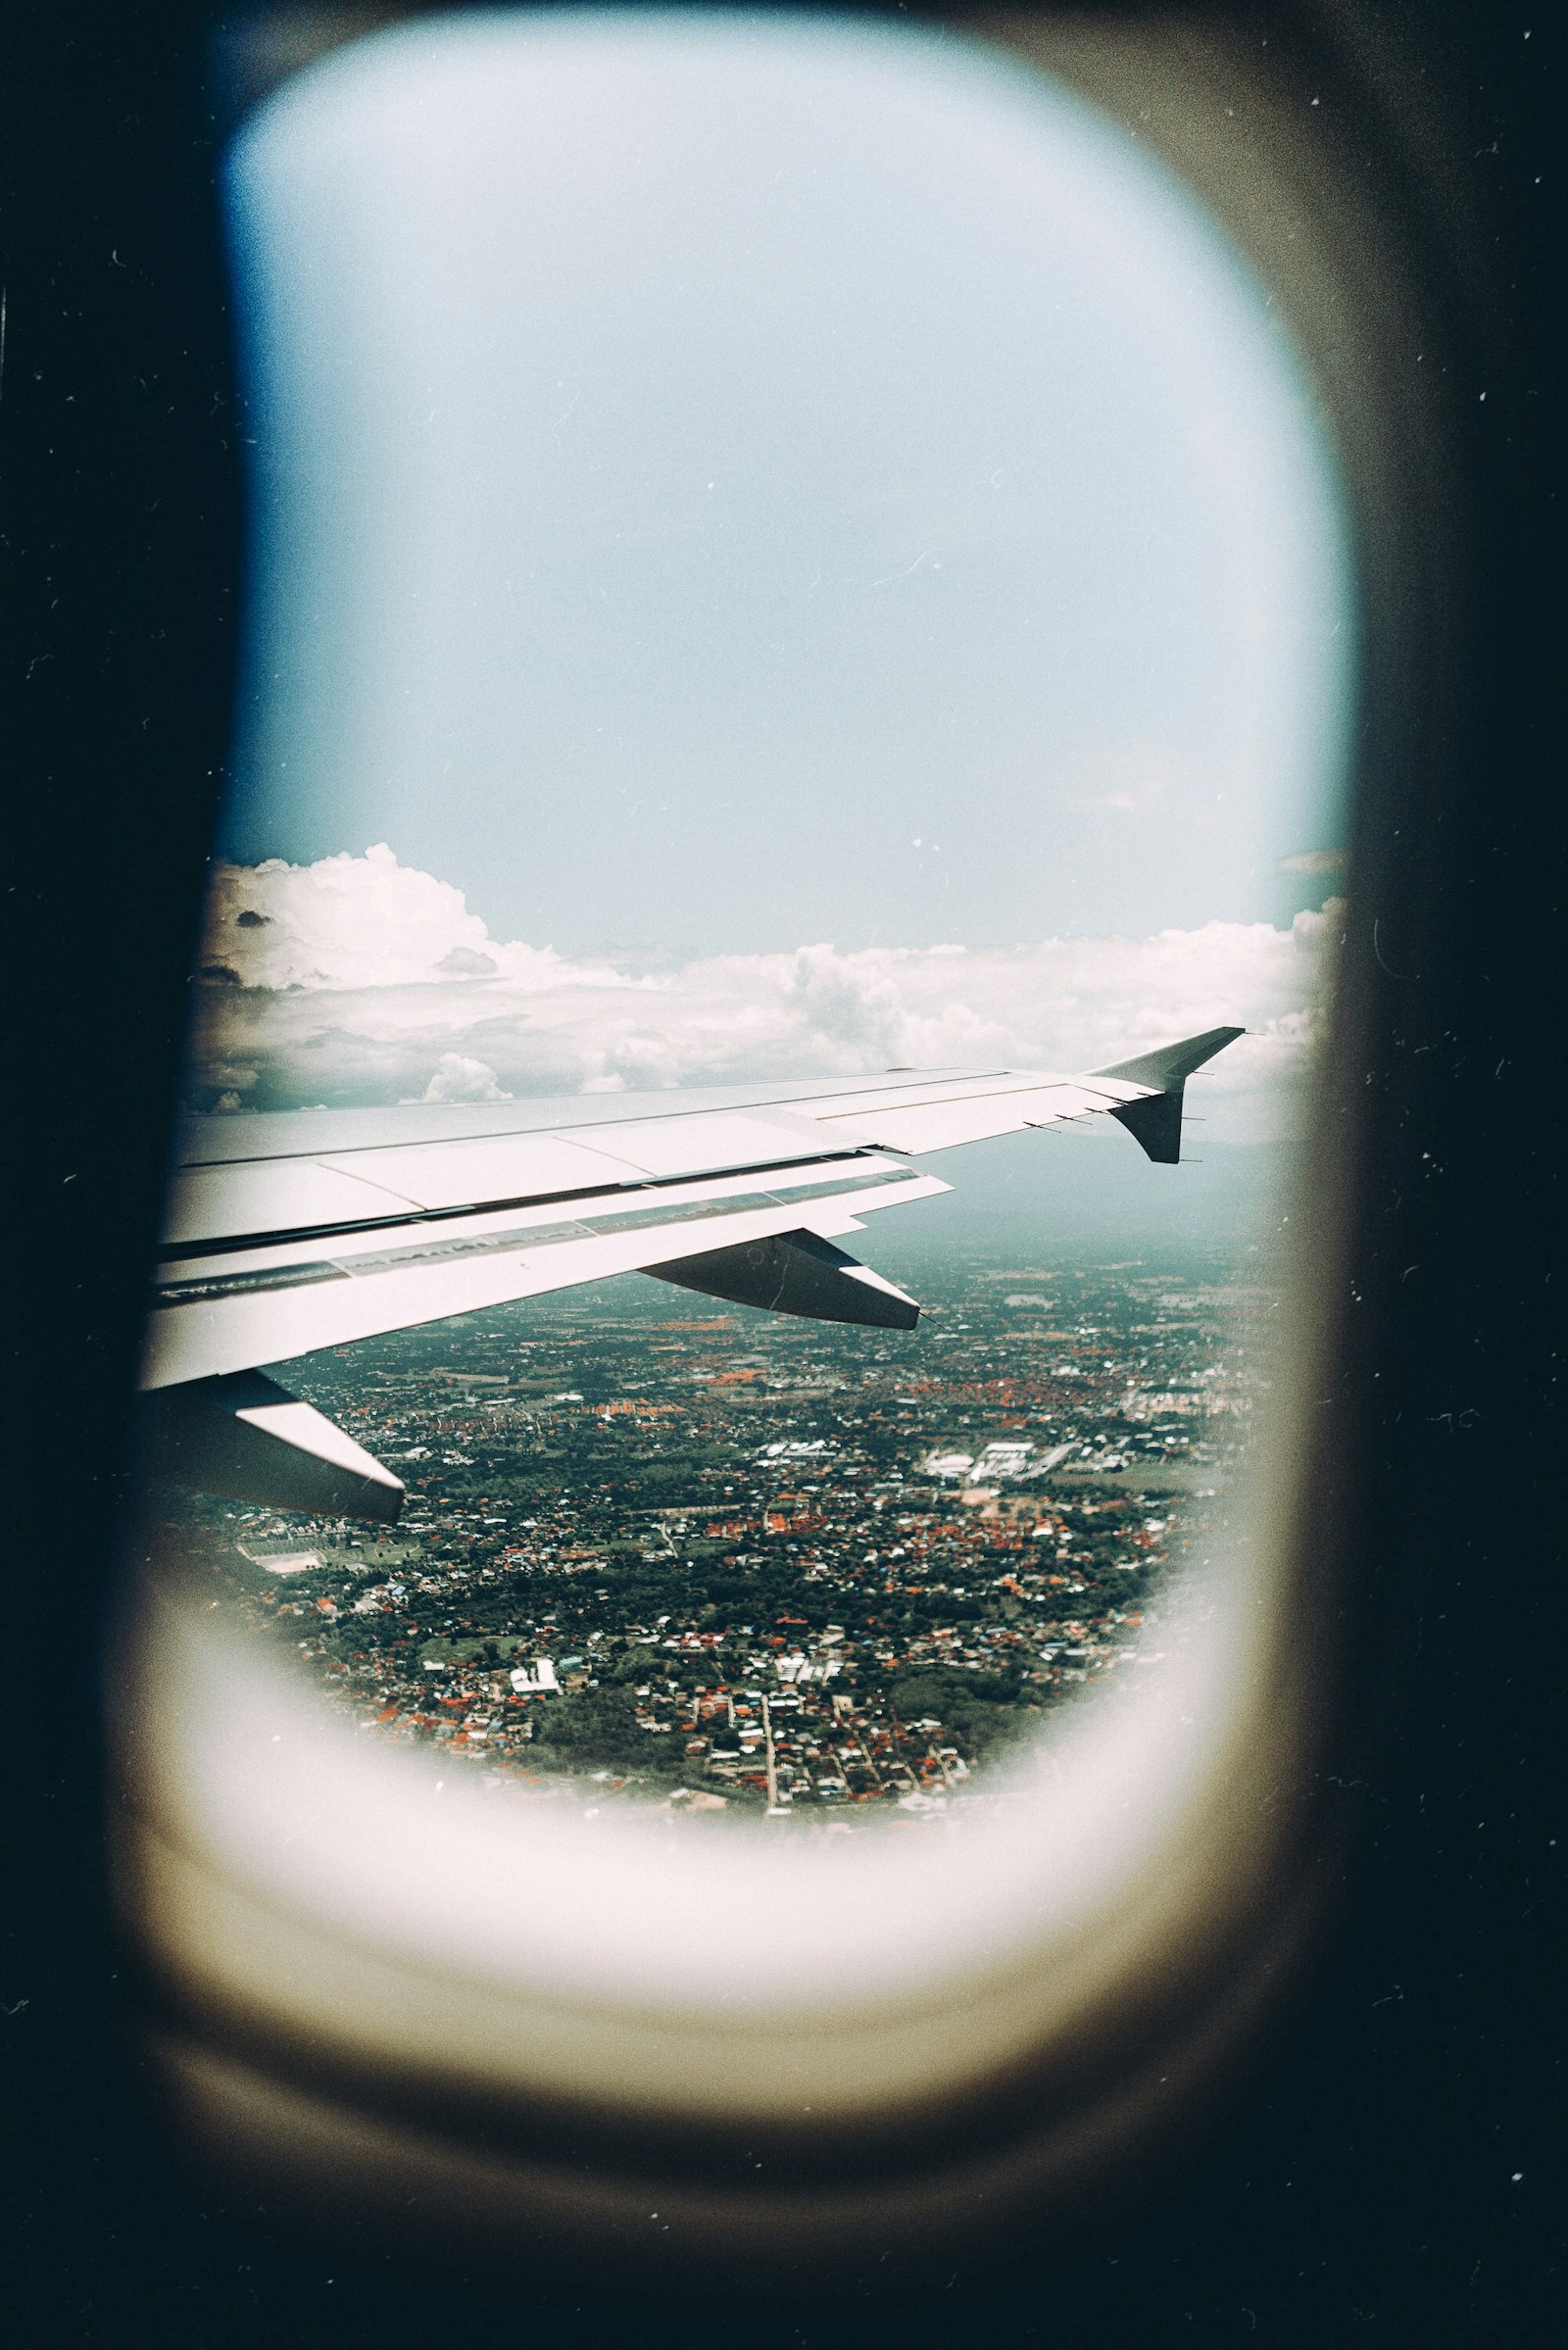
(250, 1989)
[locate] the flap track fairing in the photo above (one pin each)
(250, 1440)
(795, 1273)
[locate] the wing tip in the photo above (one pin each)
(1169, 1066)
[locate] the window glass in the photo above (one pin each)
(780, 553)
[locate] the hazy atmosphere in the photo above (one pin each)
(781, 503)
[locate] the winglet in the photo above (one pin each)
(1154, 1119)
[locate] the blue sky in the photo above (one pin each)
(727, 486)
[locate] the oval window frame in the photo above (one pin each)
(257, 2086)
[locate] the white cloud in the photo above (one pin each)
(459, 1079)
(355, 922)
(357, 979)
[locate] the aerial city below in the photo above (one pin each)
(729, 1562)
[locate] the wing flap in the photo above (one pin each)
(294, 1310)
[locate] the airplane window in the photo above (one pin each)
(801, 637)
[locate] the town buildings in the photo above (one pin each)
(728, 1561)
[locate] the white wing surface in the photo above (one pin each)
(293, 1231)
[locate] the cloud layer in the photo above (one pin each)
(357, 979)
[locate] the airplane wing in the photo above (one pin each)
(297, 1230)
